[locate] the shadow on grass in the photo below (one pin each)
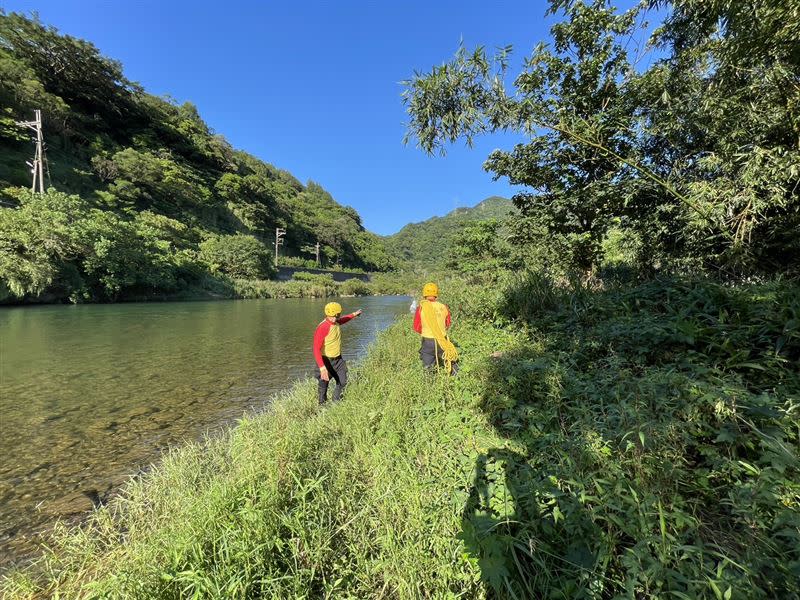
(527, 531)
(651, 445)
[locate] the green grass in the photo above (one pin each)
(360, 499)
(637, 442)
(657, 443)
(306, 285)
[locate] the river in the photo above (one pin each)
(92, 394)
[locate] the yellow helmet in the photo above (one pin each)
(332, 309)
(430, 289)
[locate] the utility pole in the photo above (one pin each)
(312, 250)
(37, 166)
(279, 235)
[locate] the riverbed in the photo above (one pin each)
(90, 395)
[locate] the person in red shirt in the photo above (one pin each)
(327, 349)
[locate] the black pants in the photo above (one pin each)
(432, 355)
(337, 370)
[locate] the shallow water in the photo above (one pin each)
(92, 394)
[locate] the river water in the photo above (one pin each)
(92, 394)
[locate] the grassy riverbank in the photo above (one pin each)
(303, 285)
(307, 285)
(634, 442)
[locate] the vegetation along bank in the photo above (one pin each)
(639, 441)
(624, 423)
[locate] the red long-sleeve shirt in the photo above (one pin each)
(322, 332)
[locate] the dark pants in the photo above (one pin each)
(432, 355)
(337, 370)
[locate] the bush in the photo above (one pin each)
(241, 256)
(651, 443)
(320, 278)
(259, 288)
(38, 239)
(56, 246)
(296, 261)
(354, 287)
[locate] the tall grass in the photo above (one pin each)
(359, 499)
(637, 442)
(307, 285)
(652, 444)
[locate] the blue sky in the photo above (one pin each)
(313, 87)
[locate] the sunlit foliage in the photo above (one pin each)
(695, 156)
(127, 153)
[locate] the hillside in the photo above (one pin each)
(426, 243)
(162, 200)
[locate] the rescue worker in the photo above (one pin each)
(432, 320)
(327, 349)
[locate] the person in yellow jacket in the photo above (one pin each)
(327, 348)
(432, 320)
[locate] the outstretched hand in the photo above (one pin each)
(358, 312)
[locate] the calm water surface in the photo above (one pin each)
(91, 394)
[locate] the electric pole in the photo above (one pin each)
(37, 166)
(279, 235)
(312, 250)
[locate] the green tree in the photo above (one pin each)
(117, 260)
(480, 249)
(39, 240)
(574, 89)
(697, 156)
(71, 69)
(722, 116)
(237, 255)
(57, 244)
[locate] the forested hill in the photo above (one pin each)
(426, 243)
(149, 197)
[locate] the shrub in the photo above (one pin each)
(57, 246)
(320, 278)
(354, 287)
(651, 443)
(239, 255)
(38, 239)
(296, 261)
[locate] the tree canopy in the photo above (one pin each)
(695, 157)
(428, 244)
(120, 157)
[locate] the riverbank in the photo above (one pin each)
(300, 498)
(635, 441)
(303, 285)
(93, 393)
(311, 285)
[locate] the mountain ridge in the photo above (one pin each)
(425, 243)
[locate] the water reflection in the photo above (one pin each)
(90, 394)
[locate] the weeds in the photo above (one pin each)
(656, 429)
(634, 442)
